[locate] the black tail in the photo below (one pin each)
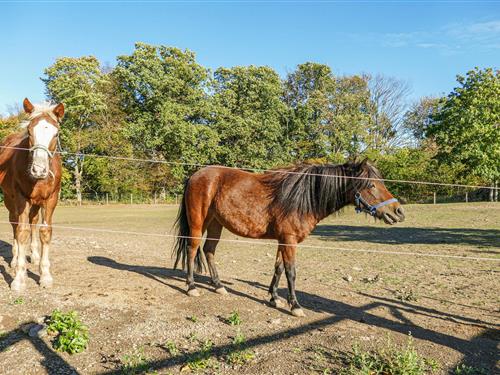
(182, 242)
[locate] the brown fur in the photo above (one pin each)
(284, 205)
(24, 195)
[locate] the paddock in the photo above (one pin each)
(112, 264)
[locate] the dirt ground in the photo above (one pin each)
(124, 289)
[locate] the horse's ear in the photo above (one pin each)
(59, 111)
(28, 107)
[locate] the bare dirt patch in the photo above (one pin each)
(140, 319)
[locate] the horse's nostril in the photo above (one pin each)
(400, 212)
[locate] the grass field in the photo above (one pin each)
(140, 320)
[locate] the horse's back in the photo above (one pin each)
(238, 199)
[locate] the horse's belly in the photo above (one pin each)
(244, 222)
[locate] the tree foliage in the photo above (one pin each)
(158, 103)
(467, 127)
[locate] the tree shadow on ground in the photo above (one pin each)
(483, 238)
(52, 361)
(479, 351)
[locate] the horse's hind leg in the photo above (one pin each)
(214, 231)
(35, 254)
(194, 245)
(276, 301)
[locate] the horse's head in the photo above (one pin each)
(371, 195)
(42, 129)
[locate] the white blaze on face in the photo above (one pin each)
(43, 133)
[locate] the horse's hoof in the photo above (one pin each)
(298, 313)
(278, 303)
(193, 293)
(46, 281)
(18, 286)
(222, 291)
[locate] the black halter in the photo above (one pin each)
(364, 206)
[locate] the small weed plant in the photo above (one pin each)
(234, 319)
(71, 335)
(389, 360)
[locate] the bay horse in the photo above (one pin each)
(282, 204)
(30, 177)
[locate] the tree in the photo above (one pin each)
(249, 116)
(388, 102)
(467, 127)
(329, 115)
(419, 117)
(163, 93)
(77, 83)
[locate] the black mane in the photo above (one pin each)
(317, 189)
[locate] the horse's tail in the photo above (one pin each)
(182, 242)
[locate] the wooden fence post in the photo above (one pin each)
(107, 199)
(466, 197)
(131, 199)
(434, 197)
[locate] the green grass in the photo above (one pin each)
(171, 348)
(135, 363)
(463, 369)
(71, 335)
(388, 360)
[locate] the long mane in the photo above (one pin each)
(317, 189)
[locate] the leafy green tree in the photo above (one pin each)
(467, 127)
(77, 82)
(163, 92)
(420, 116)
(249, 116)
(329, 115)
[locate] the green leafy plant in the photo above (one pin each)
(71, 335)
(18, 301)
(135, 363)
(238, 355)
(234, 319)
(193, 318)
(389, 360)
(202, 359)
(463, 369)
(171, 348)
(406, 295)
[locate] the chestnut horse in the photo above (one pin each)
(30, 177)
(283, 204)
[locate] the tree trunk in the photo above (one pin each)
(78, 183)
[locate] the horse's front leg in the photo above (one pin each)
(46, 279)
(22, 236)
(289, 253)
(35, 253)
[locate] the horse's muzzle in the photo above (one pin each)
(39, 172)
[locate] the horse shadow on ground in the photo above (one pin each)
(6, 254)
(483, 238)
(53, 362)
(480, 351)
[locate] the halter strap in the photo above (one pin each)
(44, 148)
(364, 206)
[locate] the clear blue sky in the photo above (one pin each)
(423, 42)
